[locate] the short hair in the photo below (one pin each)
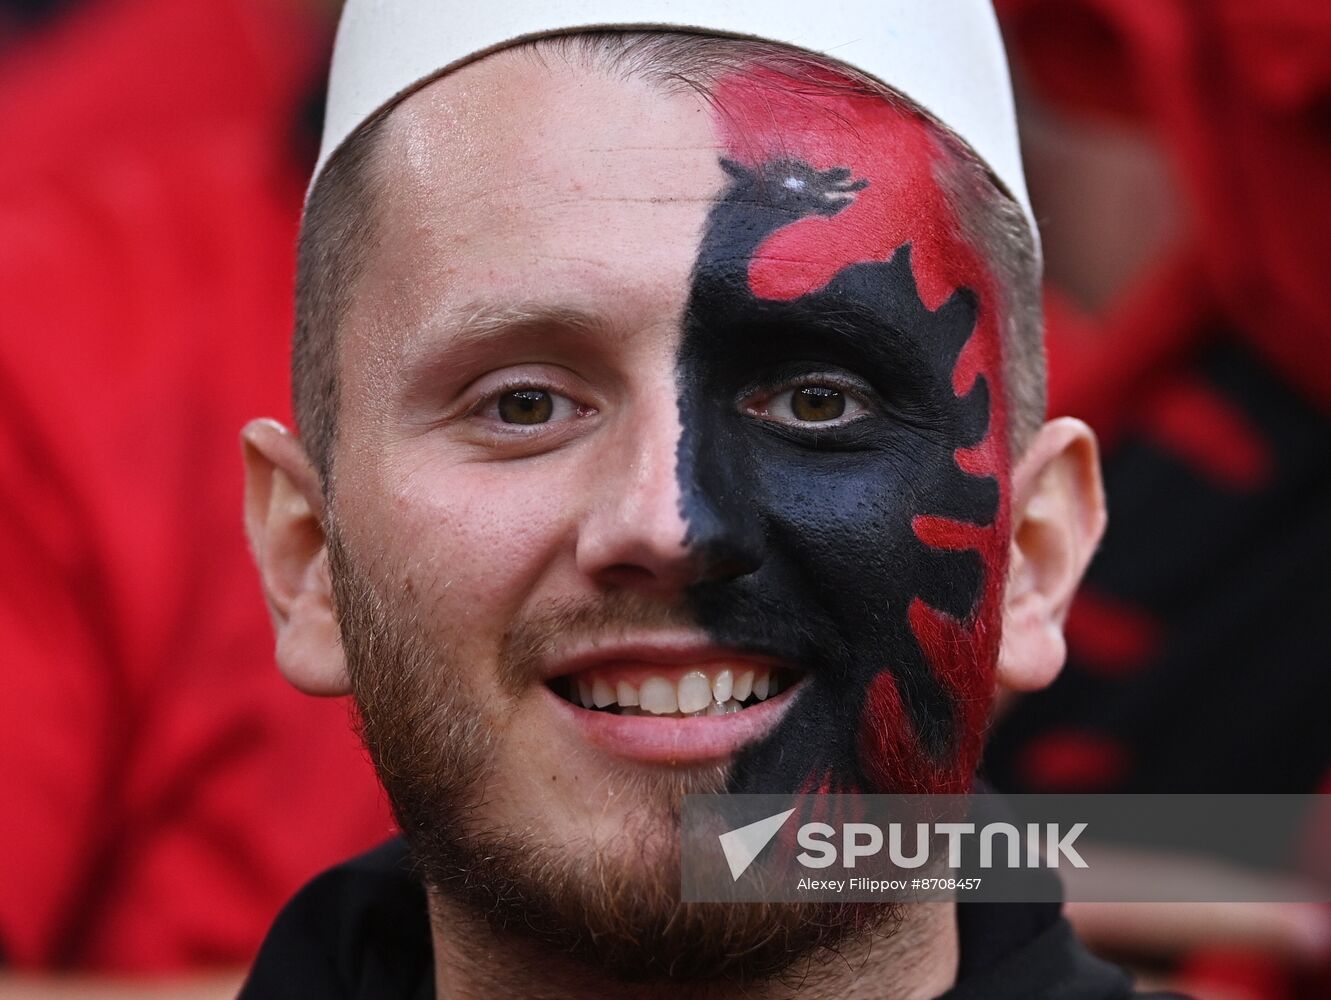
(338, 230)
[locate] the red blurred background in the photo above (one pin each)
(166, 789)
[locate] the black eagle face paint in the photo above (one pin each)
(842, 465)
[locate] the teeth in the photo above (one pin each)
(626, 694)
(658, 696)
(602, 693)
(727, 707)
(695, 692)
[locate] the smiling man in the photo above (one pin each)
(671, 420)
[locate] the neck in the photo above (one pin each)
(914, 960)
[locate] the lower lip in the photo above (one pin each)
(672, 740)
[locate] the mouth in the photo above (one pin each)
(679, 692)
(674, 702)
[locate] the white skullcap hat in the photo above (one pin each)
(944, 55)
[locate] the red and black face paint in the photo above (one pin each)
(871, 549)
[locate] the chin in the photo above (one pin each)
(613, 905)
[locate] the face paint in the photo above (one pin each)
(870, 551)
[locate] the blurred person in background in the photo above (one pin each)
(1179, 154)
(164, 790)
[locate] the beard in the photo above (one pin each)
(613, 905)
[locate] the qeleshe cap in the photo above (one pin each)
(945, 55)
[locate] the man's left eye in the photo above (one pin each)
(526, 406)
(811, 403)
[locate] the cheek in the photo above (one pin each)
(960, 652)
(843, 523)
(469, 541)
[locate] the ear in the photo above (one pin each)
(284, 522)
(1058, 516)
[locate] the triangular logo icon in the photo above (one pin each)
(743, 845)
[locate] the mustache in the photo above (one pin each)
(785, 622)
(532, 638)
(746, 619)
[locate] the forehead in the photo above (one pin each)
(521, 179)
(516, 179)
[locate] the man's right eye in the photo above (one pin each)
(526, 406)
(529, 406)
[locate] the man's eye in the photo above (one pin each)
(817, 402)
(526, 406)
(812, 403)
(529, 406)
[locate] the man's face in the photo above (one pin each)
(687, 408)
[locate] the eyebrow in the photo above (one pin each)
(844, 323)
(458, 337)
(474, 324)
(458, 333)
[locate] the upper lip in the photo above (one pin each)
(664, 648)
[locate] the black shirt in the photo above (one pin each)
(360, 931)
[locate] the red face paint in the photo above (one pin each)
(871, 550)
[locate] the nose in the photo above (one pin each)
(724, 534)
(644, 533)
